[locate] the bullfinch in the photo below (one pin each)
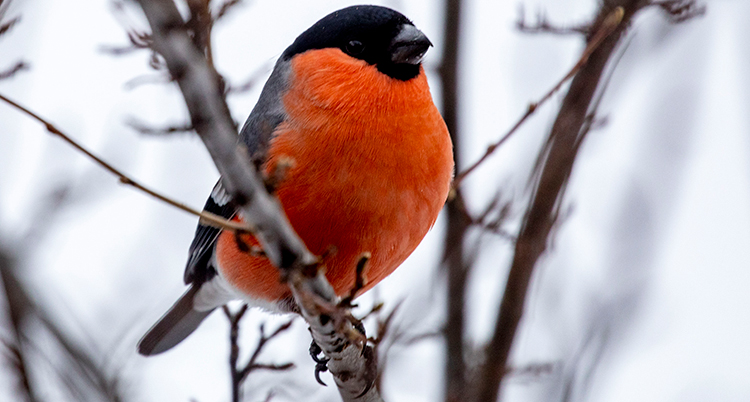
(363, 162)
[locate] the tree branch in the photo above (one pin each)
(593, 44)
(351, 361)
(544, 26)
(210, 116)
(205, 217)
(453, 247)
(239, 374)
(13, 70)
(557, 163)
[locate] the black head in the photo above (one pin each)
(378, 35)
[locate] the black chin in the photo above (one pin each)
(401, 71)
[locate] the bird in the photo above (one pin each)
(361, 162)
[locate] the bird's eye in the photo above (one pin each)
(355, 47)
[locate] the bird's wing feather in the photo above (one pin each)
(198, 268)
(256, 134)
(179, 322)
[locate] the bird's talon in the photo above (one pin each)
(321, 367)
(321, 363)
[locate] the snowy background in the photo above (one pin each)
(643, 295)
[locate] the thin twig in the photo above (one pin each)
(18, 67)
(544, 26)
(145, 129)
(252, 365)
(206, 218)
(224, 9)
(5, 27)
(18, 306)
(240, 374)
(680, 10)
(593, 44)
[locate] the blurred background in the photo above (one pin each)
(641, 295)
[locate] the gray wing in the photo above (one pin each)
(256, 134)
(268, 113)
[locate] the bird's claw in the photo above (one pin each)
(321, 363)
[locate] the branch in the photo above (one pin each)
(18, 305)
(557, 159)
(210, 116)
(227, 6)
(239, 374)
(145, 129)
(205, 217)
(680, 10)
(594, 42)
(351, 361)
(5, 27)
(18, 67)
(83, 377)
(453, 247)
(544, 26)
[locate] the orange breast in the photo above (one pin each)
(372, 164)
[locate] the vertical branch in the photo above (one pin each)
(234, 352)
(18, 307)
(453, 255)
(556, 163)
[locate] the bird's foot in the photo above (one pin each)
(321, 363)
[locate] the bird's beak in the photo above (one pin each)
(409, 46)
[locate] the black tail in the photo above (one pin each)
(179, 322)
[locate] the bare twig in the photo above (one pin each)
(596, 40)
(543, 25)
(239, 374)
(206, 217)
(227, 6)
(16, 68)
(5, 27)
(18, 306)
(145, 129)
(200, 25)
(80, 372)
(494, 224)
(139, 40)
(680, 10)
(145, 79)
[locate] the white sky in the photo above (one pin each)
(655, 252)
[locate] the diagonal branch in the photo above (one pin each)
(351, 361)
(200, 85)
(13, 70)
(206, 217)
(557, 163)
(593, 44)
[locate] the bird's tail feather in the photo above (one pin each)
(179, 322)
